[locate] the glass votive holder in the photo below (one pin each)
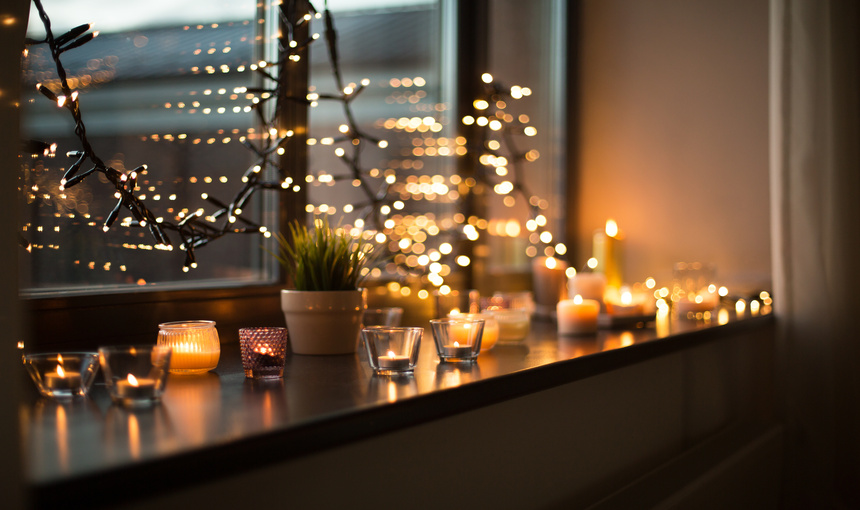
(389, 316)
(63, 375)
(514, 324)
(135, 375)
(196, 347)
(264, 352)
(392, 350)
(458, 339)
(693, 289)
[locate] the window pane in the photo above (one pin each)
(402, 187)
(157, 89)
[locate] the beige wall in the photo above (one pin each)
(674, 134)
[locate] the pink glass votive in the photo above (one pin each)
(264, 351)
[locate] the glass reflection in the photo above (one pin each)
(391, 388)
(452, 375)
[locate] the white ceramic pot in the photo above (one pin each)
(323, 322)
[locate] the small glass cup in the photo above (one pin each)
(264, 352)
(135, 375)
(458, 339)
(196, 347)
(63, 375)
(392, 350)
(693, 290)
(389, 316)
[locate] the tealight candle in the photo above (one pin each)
(456, 350)
(625, 306)
(577, 316)
(62, 379)
(393, 362)
(134, 388)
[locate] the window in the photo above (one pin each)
(163, 88)
(157, 88)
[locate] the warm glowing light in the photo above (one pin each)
(132, 380)
(592, 263)
(626, 298)
(60, 371)
(611, 228)
(577, 299)
(487, 78)
(740, 306)
(551, 262)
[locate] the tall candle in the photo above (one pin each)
(589, 285)
(577, 316)
(549, 281)
(607, 246)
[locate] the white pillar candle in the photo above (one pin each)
(577, 316)
(588, 285)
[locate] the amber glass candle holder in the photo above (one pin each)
(195, 344)
(135, 375)
(63, 375)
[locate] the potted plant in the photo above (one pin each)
(323, 312)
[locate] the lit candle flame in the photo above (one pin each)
(456, 344)
(551, 262)
(60, 359)
(132, 380)
(611, 228)
(577, 299)
(60, 371)
(626, 298)
(391, 354)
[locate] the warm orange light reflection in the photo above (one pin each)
(132, 380)
(62, 438)
(133, 433)
(392, 388)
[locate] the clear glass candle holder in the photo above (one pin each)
(195, 344)
(264, 352)
(63, 375)
(389, 316)
(458, 339)
(392, 350)
(135, 375)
